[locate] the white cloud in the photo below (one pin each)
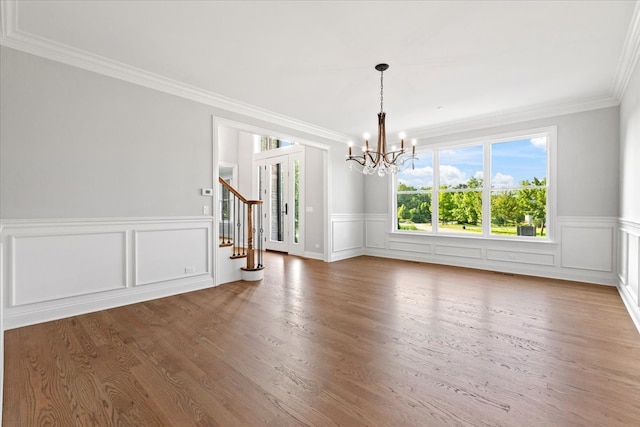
(501, 180)
(418, 177)
(478, 175)
(452, 176)
(423, 171)
(539, 142)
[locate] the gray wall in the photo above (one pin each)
(79, 144)
(347, 187)
(228, 145)
(314, 173)
(630, 149)
(587, 163)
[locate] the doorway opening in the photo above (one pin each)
(279, 179)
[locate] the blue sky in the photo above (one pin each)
(511, 163)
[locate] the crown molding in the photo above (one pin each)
(541, 111)
(629, 56)
(11, 36)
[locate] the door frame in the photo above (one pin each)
(289, 154)
(218, 122)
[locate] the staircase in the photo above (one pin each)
(241, 231)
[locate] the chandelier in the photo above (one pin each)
(381, 160)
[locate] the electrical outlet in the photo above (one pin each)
(189, 270)
(205, 210)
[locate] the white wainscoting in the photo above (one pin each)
(170, 254)
(375, 227)
(584, 250)
(598, 239)
(70, 264)
(629, 267)
(347, 236)
(59, 268)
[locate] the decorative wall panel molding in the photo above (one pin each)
(629, 267)
(347, 236)
(587, 244)
(534, 258)
(458, 251)
(58, 268)
(375, 230)
(170, 254)
(421, 248)
(47, 267)
(587, 248)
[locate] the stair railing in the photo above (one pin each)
(241, 224)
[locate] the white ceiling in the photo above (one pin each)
(314, 61)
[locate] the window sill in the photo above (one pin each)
(419, 235)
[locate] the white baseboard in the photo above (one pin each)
(73, 307)
(314, 255)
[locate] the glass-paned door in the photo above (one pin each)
(280, 185)
(277, 203)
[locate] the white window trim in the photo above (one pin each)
(550, 131)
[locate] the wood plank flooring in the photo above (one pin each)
(360, 342)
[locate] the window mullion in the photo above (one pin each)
(435, 192)
(486, 189)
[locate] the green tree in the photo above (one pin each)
(505, 209)
(463, 207)
(533, 201)
(414, 206)
(446, 205)
(403, 212)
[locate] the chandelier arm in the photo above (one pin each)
(394, 157)
(375, 160)
(358, 159)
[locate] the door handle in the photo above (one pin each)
(286, 208)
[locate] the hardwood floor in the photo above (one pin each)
(364, 341)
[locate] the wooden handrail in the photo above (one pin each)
(226, 185)
(251, 264)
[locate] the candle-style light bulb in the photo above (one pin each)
(366, 141)
(413, 150)
(350, 145)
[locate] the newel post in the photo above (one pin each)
(250, 254)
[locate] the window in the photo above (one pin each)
(268, 143)
(519, 187)
(414, 195)
(496, 187)
(460, 189)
